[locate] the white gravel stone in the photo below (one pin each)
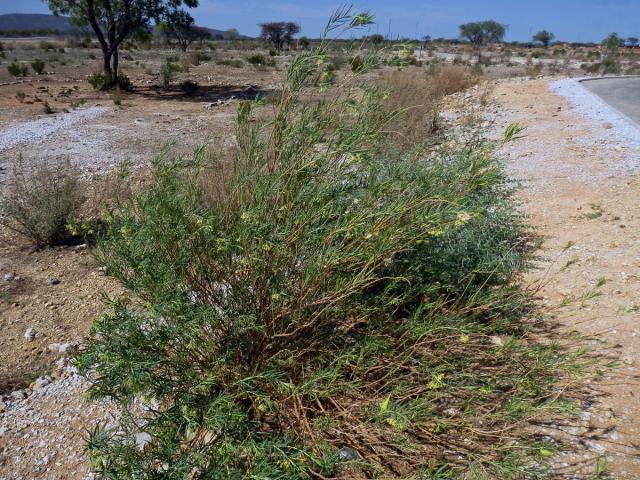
(39, 129)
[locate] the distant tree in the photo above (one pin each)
(482, 33)
(303, 43)
(633, 42)
(115, 20)
(376, 39)
(611, 46)
(544, 37)
(233, 34)
(181, 29)
(279, 33)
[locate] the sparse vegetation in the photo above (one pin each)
(40, 203)
(168, 73)
(46, 108)
(235, 62)
(279, 34)
(544, 37)
(260, 60)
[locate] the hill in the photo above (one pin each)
(26, 24)
(34, 22)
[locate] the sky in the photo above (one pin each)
(569, 20)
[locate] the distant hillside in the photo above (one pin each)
(26, 24)
(35, 22)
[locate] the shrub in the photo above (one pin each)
(17, 70)
(20, 95)
(189, 87)
(260, 60)
(235, 63)
(41, 202)
(334, 312)
(38, 66)
(168, 73)
(46, 108)
(100, 82)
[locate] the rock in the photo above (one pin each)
(53, 281)
(142, 438)
(8, 277)
(347, 454)
(18, 395)
(3, 406)
(30, 334)
(59, 347)
(41, 382)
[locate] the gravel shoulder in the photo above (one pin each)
(578, 166)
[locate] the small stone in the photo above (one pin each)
(8, 277)
(347, 454)
(54, 281)
(41, 382)
(142, 438)
(18, 395)
(30, 334)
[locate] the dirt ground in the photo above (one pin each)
(581, 190)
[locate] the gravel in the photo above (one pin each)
(621, 133)
(29, 132)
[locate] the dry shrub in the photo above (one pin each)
(418, 96)
(451, 79)
(41, 202)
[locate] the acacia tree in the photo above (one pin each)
(180, 27)
(482, 33)
(279, 33)
(544, 37)
(115, 20)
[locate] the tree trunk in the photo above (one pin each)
(114, 69)
(106, 66)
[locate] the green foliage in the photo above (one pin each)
(235, 62)
(38, 66)
(260, 60)
(168, 73)
(335, 310)
(100, 82)
(481, 33)
(610, 63)
(42, 201)
(544, 37)
(17, 69)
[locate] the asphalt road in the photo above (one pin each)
(623, 94)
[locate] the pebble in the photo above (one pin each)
(53, 281)
(30, 334)
(8, 277)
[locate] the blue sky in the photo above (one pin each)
(572, 20)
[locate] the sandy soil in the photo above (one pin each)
(581, 190)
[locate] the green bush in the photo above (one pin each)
(168, 73)
(38, 66)
(17, 70)
(189, 87)
(46, 108)
(336, 312)
(235, 63)
(100, 82)
(260, 60)
(41, 202)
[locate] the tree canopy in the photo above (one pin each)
(279, 33)
(544, 37)
(481, 33)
